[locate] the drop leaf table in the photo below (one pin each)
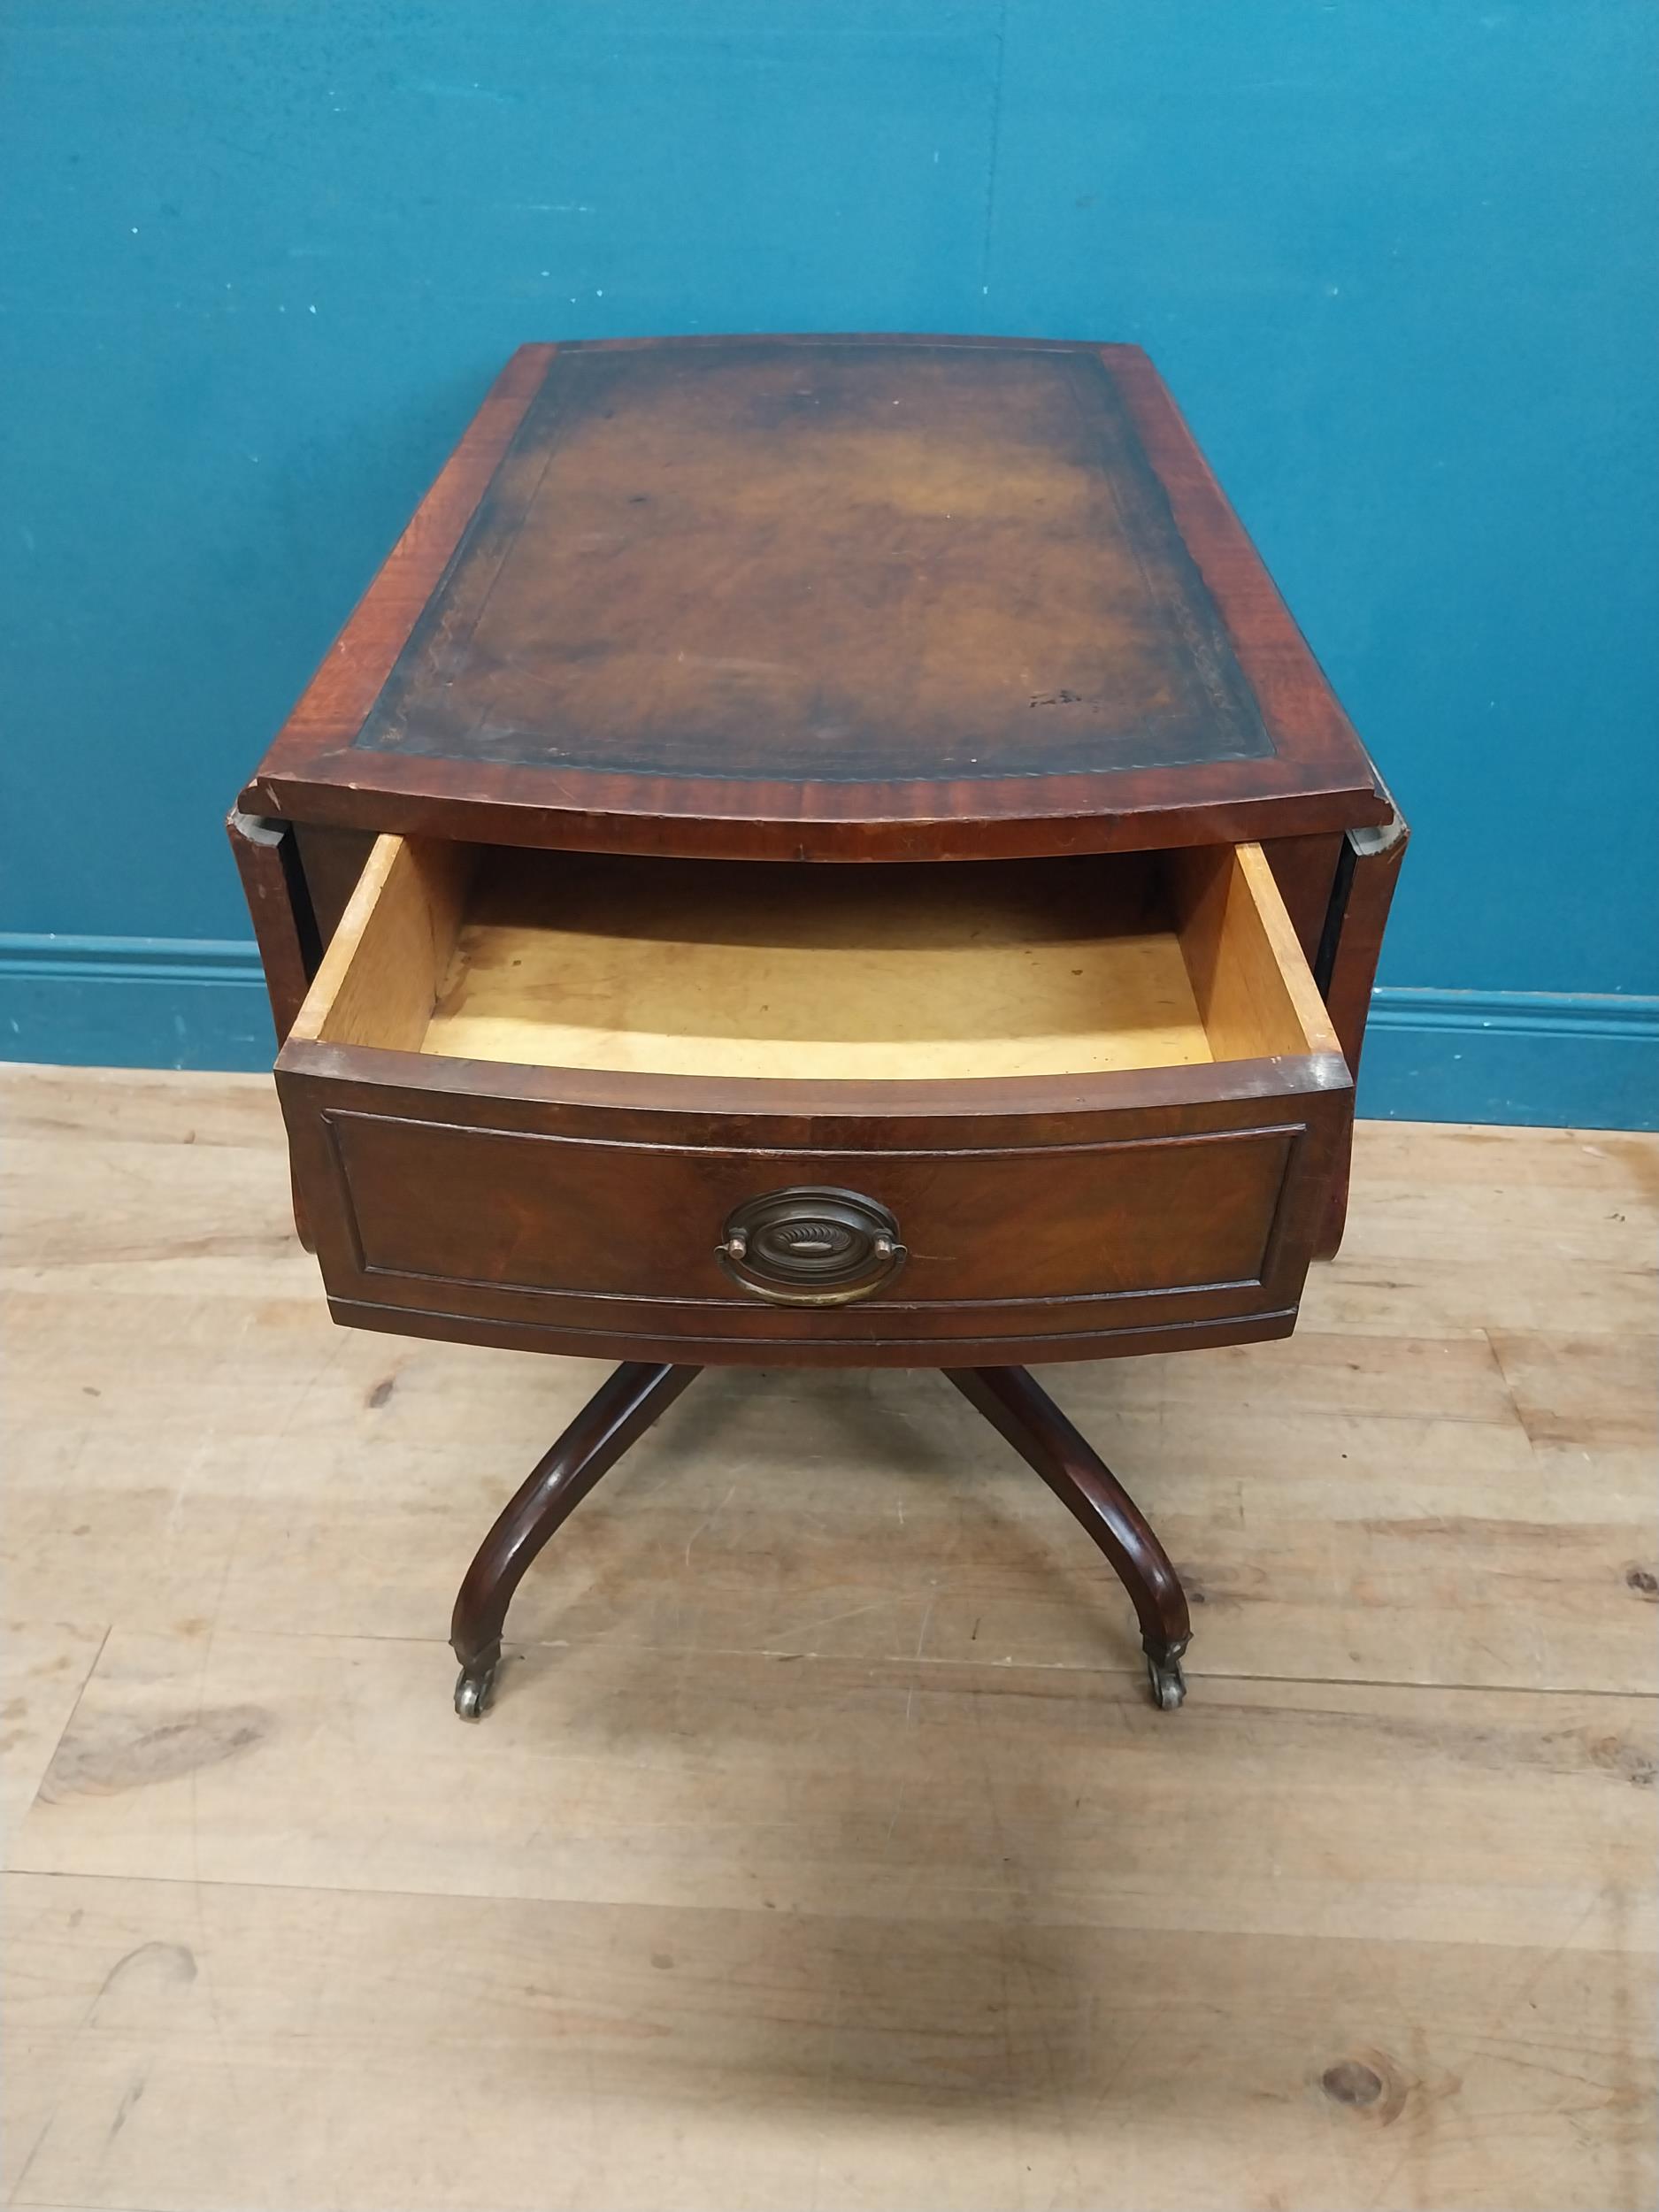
(822, 850)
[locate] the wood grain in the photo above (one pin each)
(266, 859)
(931, 974)
(1254, 990)
(802, 974)
(186, 1755)
(175, 2044)
(44, 1664)
(1345, 964)
(379, 979)
(821, 1846)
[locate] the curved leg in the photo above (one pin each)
(1018, 1409)
(616, 1416)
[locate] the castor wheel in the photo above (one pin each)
(475, 1685)
(1169, 1683)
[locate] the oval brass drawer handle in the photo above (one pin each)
(812, 1246)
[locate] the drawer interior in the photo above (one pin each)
(952, 969)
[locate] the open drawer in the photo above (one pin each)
(955, 1114)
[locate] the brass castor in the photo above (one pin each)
(475, 1684)
(1163, 1672)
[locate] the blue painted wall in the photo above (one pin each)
(259, 262)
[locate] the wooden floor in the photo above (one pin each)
(822, 1849)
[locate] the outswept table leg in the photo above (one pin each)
(615, 1417)
(1024, 1414)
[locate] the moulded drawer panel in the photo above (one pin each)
(480, 1206)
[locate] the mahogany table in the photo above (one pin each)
(821, 850)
